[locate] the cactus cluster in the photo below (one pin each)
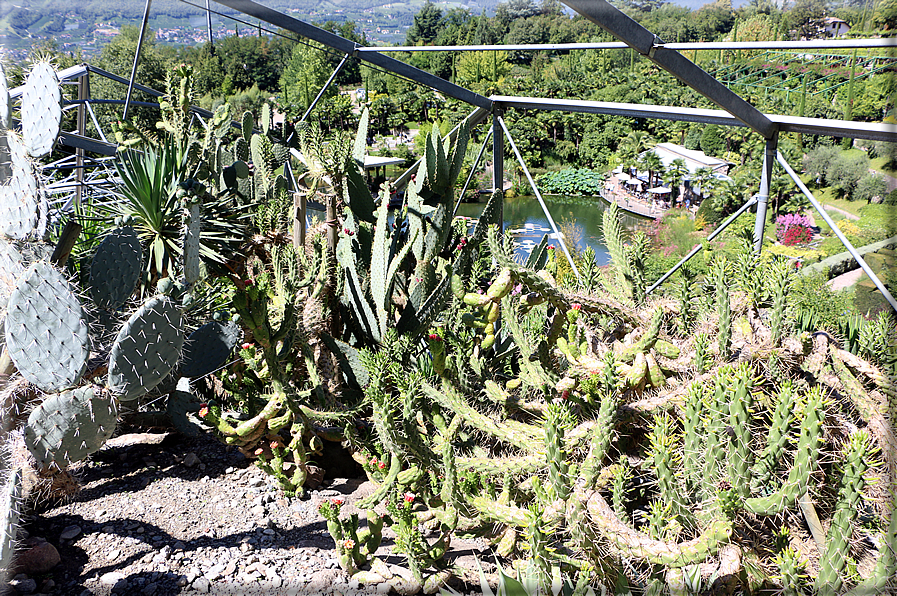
(47, 326)
(514, 432)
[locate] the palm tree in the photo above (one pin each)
(632, 145)
(652, 163)
(703, 178)
(675, 174)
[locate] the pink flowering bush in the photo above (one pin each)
(793, 229)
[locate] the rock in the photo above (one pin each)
(384, 588)
(182, 582)
(258, 510)
(24, 586)
(113, 554)
(70, 533)
(275, 580)
(202, 585)
(136, 439)
(38, 557)
(191, 460)
(111, 578)
(150, 589)
(321, 581)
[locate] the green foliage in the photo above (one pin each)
(582, 182)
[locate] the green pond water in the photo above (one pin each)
(579, 217)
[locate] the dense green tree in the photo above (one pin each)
(426, 25)
(712, 141)
(806, 16)
(303, 78)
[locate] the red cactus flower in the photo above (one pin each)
(576, 306)
(203, 410)
(565, 394)
(349, 544)
(382, 465)
(409, 497)
(248, 282)
(434, 337)
(336, 501)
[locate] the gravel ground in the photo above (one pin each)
(169, 515)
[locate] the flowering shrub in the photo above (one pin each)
(793, 229)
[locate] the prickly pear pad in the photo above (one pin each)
(146, 349)
(115, 269)
(208, 347)
(10, 500)
(69, 426)
(11, 268)
(46, 332)
(41, 109)
(19, 198)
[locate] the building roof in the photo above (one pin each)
(667, 152)
(375, 161)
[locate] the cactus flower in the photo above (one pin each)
(382, 465)
(576, 306)
(434, 337)
(246, 346)
(409, 497)
(549, 247)
(336, 501)
(203, 410)
(349, 544)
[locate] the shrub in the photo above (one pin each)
(793, 229)
(708, 214)
(572, 181)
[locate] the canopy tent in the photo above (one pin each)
(659, 190)
(634, 182)
(622, 176)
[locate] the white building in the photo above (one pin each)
(834, 27)
(694, 159)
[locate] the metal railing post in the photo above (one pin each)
(769, 158)
(311, 106)
(136, 58)
(498, 163)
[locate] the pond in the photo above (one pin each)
(578, 218)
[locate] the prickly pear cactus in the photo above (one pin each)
(69, 426)
(41, 109)
(5, 104)
(146, 349)
(116, 268)
(10, 503)
(46, 332)
(22, 204)
(208, 347)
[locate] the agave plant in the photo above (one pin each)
(149, 185)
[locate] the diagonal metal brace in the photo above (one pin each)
(644, 42)
(272, 17)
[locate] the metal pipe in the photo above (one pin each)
(339, 67)
(825, 216)
(473, 169)
(532, 184)
(750, 203)
(769, 154)
(498, 161)
(136, 58)
(815, 44)
(209, 23)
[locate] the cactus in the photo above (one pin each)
(829, 581)
(46, 332)
(146, 349)
(40, 123)
(720, 274)
(115, 268)
(207, 348)
(10, 504)
(69, 426)
(23, 205)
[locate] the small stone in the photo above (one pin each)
(113, 554)
(179, 546)
(275, 580)
(182, 582)
(202, 585)
(48, 586)
(268, 532)
(150, 589)
(384, 588)
(24, 586)
(111, 578)
(191, 459)
(70, 533)
(258, 510)
(40, 558)
(229, 569)
(140, 530)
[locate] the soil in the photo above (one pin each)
(162, 514)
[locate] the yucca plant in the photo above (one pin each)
(149, 183)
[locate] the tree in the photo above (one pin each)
(675, 175)
(652, 163)
(117, 57)
(426, 25)
(703, 179)
(712, 141)
(886, 14)
(871, 187)
(303, 78)
(806, 16)
(845, 172)
(483, 70)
